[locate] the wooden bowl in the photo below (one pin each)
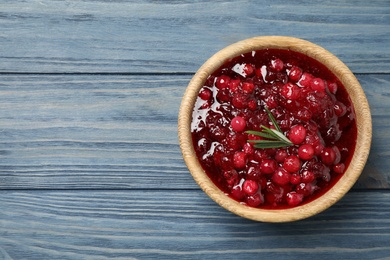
(363, 121)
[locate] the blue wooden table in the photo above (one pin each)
(90, 166)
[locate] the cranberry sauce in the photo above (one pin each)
(312, 109)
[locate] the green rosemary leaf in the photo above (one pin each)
(273, 141)
(262, 134)
(271, 144)
(274, 138)
(273, 120)
(270, 132)
(282, 137)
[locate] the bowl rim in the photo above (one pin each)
(335, 65)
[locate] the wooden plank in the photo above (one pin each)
(182, 225)
(92, 132)
(168, 36)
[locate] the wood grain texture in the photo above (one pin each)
(90, 166)
(171, 36)
(182, 225)
(120, 132)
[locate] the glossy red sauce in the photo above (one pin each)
(310, 105)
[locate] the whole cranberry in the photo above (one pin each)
(290, 91)
(332, 87)
(253, 173)
(238, 124)
(305, 80)
(328, 156)
(277, 64)
(252, 104)
(304, 114)
(281, 155)
(231, 177)
(248, 87)
(339, 168)
(250, 187)
(234, 85)
(295, 179)
(305, 189)
(268, 166)
(205, 94)
(239, 160)
(317, 84)
(222, 81)
(248, 149)
(306, 152)
(307, 176)
(293, 198)
(297, 134)
(248, 69)
(237, 192)
(292, 163)
(281, 177)
(255, 200)
(295, 73)
(240, 100)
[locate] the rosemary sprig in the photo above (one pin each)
(272, 138)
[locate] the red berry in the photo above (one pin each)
(274, 194)
(305, 80)
(205, 94)
(239, 100)
(290, 91)
(318, 147)
(332, 87)
(238, 124)
(305, 189)
(268, 166)
(295, 178)
(231, 177)
(260, 155)
(306, 152)
(271, 101)
(250, 187)
(307, 176)
(339, 168)
(222, 82)
(234, 85)
(248, 69)
(281, 177)
(248, 87)
(295, 73)
(328, 156)
(253, 173)
(297, 134)
(304, 114)
(317, 84)
(292, 163)
(281, 155)
(277, 64)
(223, 95)
(237, 192)
(252, 104)
(313, 118)
(293, 199)
(255, 200)
(239, 160)
(248, 148)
